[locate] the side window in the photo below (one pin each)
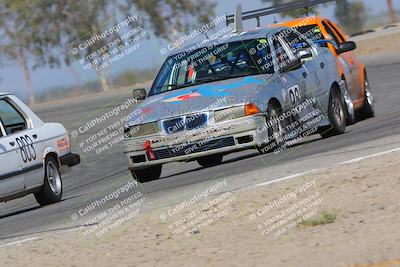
(282, 56)
(12, 119)
(332, 35)
(299, 45)
(342, 39)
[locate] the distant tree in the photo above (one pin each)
(79, 21)
(26, 36)
(351, 15)
(36, 33)
(392, 12)
(173, 15)
(295, 13)
(82, 19)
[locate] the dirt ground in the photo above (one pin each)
(361, 199)
(386, 44)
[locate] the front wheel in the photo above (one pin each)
(368, 109)
(148, 174)
(336, 115)
(51, 191)
(275, 128)
(211, 160)
(350, 113)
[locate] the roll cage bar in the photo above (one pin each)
(240, 16)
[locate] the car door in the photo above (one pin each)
(26, 140)
(298, 84)
(29, 143)
(345, 61)
(12, 179)
(312, 63)
(350, 59)
(293, 88)
(322, 68)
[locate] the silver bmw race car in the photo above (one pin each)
(257, 89)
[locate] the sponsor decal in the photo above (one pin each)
(183, 97)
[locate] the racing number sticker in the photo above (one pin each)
(26, 148)
(294, 94)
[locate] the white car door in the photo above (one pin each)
(23, 138)
(31, 149)
(11, 170)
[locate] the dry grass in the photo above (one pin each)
(328, 216)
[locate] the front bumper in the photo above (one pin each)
(222, 138)
(70, 160)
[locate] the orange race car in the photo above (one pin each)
(359, 100)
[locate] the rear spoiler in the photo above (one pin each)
(240, 16)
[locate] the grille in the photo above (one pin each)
(196, 121)
(174, 125)
(194, 148)
(188, 122)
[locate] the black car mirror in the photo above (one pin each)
(139, 94)
(346, 47)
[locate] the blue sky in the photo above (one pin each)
(148, 54)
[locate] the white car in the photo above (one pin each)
(33, 154)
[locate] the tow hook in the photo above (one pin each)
(149, 150)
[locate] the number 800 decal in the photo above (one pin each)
(26, 147)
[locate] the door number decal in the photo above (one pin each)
(27, 150)
(294, 94)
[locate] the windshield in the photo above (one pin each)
(214, 62)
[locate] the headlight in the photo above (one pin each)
(235, 112)
(142, 129)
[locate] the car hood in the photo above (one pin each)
(194, 99)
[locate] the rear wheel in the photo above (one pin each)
(336, 115)
(368, 109)
(148, 174)
(51, 191)
(275, 130)
(350, 114)
(211, 160)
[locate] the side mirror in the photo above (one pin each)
(346, 47)
(291, 65)
(139, 94)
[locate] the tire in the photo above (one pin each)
(147, 174)
(368, 109)
(350, 113)
(336, 115)
(211, 160)
(275, 134)
(51, 191)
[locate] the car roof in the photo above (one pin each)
(302, 21)
(3, 93)
(246, 35)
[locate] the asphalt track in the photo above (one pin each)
(23, 217)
